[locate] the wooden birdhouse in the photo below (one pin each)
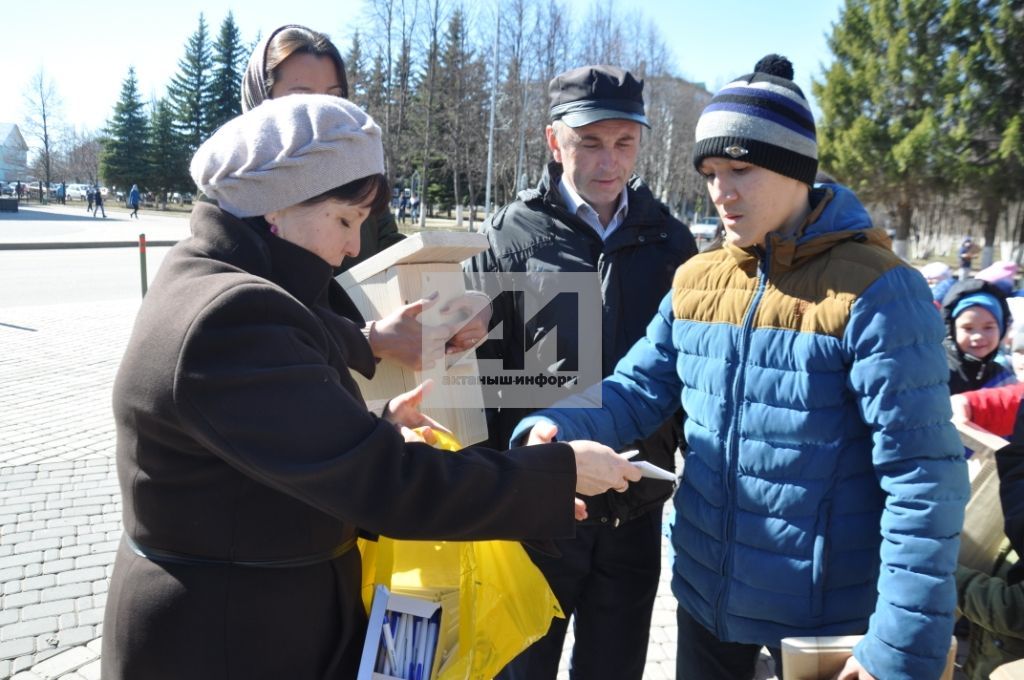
(408, 271)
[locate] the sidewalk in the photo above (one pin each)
(60, 509)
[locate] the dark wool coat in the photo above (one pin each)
(247, 462)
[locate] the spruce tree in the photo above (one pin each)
(190, 90)
(124, 160)
(986, 109)
(168, 154)
(228, 62)
(354, 69)
(880, 131)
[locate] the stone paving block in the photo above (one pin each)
(90, 671)
(15, 648)
(17, 600)
(69, 592)
(28, 629)
(47, 609)
(62, 663)
(39, 582)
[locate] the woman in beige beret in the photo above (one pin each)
(294, 59)
(247, 458)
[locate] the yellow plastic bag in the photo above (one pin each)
(505, 603)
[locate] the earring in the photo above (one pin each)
(273, 229)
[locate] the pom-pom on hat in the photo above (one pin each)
(761, 118)
(286, 151)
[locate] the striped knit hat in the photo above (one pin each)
(761, 118)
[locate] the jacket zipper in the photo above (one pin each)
(732, 446)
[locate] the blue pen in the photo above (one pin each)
(391, 662)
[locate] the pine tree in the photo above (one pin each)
(189, 92)
(228, 62)
(880, 130)
(168, 154)
(124, 160)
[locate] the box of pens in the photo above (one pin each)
(410, 634)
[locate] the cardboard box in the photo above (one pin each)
(402, 274)
(427, 609)
(820, 658)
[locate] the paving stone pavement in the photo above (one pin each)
(60, 508)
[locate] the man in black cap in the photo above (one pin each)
(590, 213)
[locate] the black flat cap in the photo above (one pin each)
(589, 94)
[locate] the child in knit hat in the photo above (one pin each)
(977, 318)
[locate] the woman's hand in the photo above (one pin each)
(598, 469)
(402, 338)
(476, 307)
(404, 412)
(853, 671)
(544, 433)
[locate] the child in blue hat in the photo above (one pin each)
(978, 316)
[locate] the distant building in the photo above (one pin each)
(13, 153)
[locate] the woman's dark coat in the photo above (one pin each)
(247, 462)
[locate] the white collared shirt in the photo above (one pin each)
(583, 210)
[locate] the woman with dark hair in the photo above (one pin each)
(295, 59)
(246, 455)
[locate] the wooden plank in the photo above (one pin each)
(820, 658)
(983, 529)
(1009, 671)
(420, 248)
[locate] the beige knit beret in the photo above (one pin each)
(286, 151)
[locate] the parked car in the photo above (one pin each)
(77, 191)
(6, 189)
(705, 229)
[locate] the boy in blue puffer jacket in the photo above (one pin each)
(824, 485)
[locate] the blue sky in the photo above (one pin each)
(86, 48)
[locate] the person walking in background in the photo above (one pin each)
(249, 461)
(97, 199)
(967, 252)
(590, 213)
(824, 485)
(294, 59)
(62, 191)
(133, 201)
(90, 195)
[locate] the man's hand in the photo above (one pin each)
(401, 337)
(853, 671)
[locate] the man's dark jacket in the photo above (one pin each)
(537, 233)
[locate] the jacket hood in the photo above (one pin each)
(836, 216)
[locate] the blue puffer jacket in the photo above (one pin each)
(824, 487)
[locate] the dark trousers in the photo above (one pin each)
(702, 656)
(608, 578)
